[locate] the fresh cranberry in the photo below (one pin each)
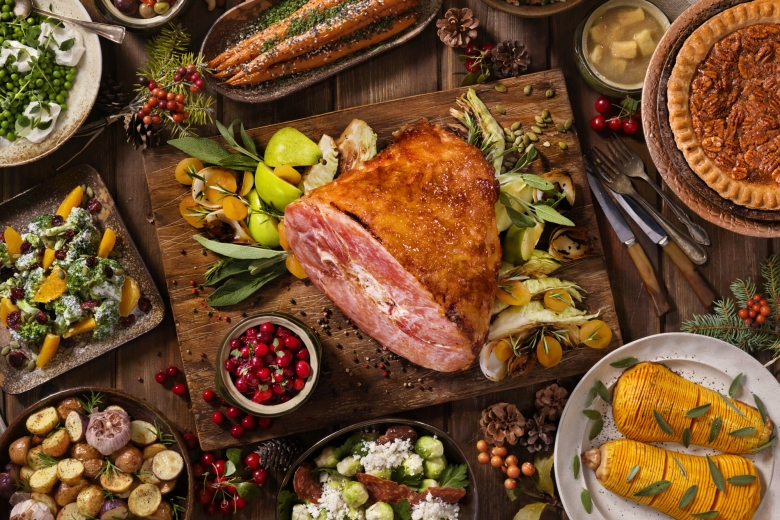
(60, 254)
(230, 364)
(265, 423)
(614, 124)
(471, 65)
(284, 398)
(471, 49)
(288, 371)
(211, 509)
(205, 495)
(267, 327)
(603, 105)
(236, 343)
(16, 358)
(269, 359)
(226, 507)
(198, 470)
(292, 343)
(233, 412)
(57, 221)
(303, 369)
(207, 459)
(298, 384)
(172, 371)
(264, 373)
(69, 234)
(26, 247)
(217, 418)
(191, 440)
(127, 321)
(241, 385)
(94, 205)
(240, 503)
(237, 431)
(598, 123)
(144, 305)
(264, 337)
(160, 377)
(261, 349)
(486, 47)
(179, 389)
(252, 460)
(17, 293)
(244, 352)
(255, 363)
(278, 377)
(281, 332)
(302, 354)
(248, 422)
(260, 475)
(262, 395)
(219, 467)
(208, 395)
(284, 359)
(630, 126)
(278, 389)
(14, 320)
(252, 380)
(89, 304)
(251, 333)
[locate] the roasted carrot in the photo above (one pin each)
(355, 17)
(251, 47)
(329, 53)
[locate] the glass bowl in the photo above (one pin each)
(136, 22)
(224, 384)
(592, 76)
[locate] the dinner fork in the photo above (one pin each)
(620, 183)
(631, 164)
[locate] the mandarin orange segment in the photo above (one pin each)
(48, 258)
(131, 293)
(53, 287)
(234, 208)
(80, 327)
(13, 241)
(188, 209)
(107, 243)
(71, 201)
(49, 347)
(6, 308)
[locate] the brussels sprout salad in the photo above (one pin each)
(395, 476)
(61, 278)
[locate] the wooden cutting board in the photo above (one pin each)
(352, 385)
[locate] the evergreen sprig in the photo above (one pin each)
(726, 325)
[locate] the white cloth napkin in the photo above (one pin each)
(674, 8)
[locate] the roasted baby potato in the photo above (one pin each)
(56, 444)
(164, 512)
(71, 512)
(142, 433)
(129, 459)
(26, 472)
(18, 449)
(116, 481)
(70, 471)
(33, 458)
(37, 440)
(92, 467)
(43, 421)
(146, 475)
(43, 480)
(144, 500)
(166, 486)
(68, 405)
(68, 493)
(76, 425)
(153, 449)
(167, 465)
(83, 451)
(89, 500)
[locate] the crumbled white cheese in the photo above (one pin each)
(334, 505)
(414, 464)
(386, 456)
(434, 509)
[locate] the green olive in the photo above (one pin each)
(273, 190)
(161, 7)
(146, 11)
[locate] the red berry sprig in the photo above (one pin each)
(225, 482)
(755, 311)
(626, 120)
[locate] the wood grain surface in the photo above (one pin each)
(352, 379)
(423, 65)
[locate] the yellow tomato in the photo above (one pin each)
(549, 351)
(595, 334)
(513, 292)
(557, 300)
(186, 168)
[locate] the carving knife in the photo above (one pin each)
(626, 236)
(700, 286)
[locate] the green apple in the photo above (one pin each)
(289, 146)
(273, 190)
(264, 230)
(520, 190)
(519, 243)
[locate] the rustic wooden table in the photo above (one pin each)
(423, 65)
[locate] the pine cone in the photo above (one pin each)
(502, 422)
(458, 27)
(540, 434)
(551, 400)
(140, 134)
(509, 58)
(278, 453)
(111, 99)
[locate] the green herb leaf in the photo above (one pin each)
(201, 148)
(686, 437)
(530, 512)
(736, 385)
(656, 488)
(662, 423)
(535, 181)
(248, 490)
(741, 480)
(590, 397)
(625, 362)
(241, 287)
(234, 456)
(598, 425)
(761, 408)
(575, 466)
(400, 476)
(230, 468)
(519, 219)
(248, 143)
(706, 514)
(454, 476)
(401, 510)
(225, 268)
(238, 251)
(715, 429)
(238, 162)
(632, 473)
(67, 44)
(592, 414)
(764, 446)
(717, 476)
(743, 432)
(587, 501)
(688, 496)
(601, 389)
(732, 405)
(682, 469)
(543, 462)
(693, 413)
(470, 79)
(549, 214)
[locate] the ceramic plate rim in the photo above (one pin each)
(730, 360)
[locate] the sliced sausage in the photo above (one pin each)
(304, 484)
(446, 494)
(383, 490)
(399, 431)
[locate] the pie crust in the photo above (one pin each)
(724, 103)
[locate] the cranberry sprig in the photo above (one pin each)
(477, 62)
(228, 485)
(627, 119)
(756, 311)
(162, 102)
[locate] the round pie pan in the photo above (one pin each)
(676, 157)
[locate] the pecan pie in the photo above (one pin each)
(724, 103)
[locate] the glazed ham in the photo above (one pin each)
(406, 245)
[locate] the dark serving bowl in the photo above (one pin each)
(532, 11)
(136, 409)
(469, 505)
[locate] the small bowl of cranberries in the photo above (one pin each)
(269, 364)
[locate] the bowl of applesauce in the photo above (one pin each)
(615, 42)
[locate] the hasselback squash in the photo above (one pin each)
(627, 467)
(653, 404)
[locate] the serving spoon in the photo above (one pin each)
(115, 33)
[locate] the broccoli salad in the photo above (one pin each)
(61, 279)
(377, 477)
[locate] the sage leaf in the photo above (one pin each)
(632, 473)
(530, 512)
(238, 251)
(656, 488)
(602, 391)
(732, 405)
(575, 466)
(717, 476)
(238, 162)
(761, 408)
(590, 397)
(682, 469)
(598, 425)
(224, 269)
(248, 143)
(706, 514)
(693, 413)
(248, 490)
(201, 148)
(228, 134)
(519, 219)
(242, 286)
(469, 79)
(764, 446)
(625, 362)
(662, 423)
(548, 214)
(587, 501)
(715, 429)
(742, 480)
(736, 385)
(743, 432)
(537, 182)
(686, 437)
(592, 414)
(688, 496)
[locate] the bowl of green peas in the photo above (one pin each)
(49, 80)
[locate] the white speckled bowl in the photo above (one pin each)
(82, 95)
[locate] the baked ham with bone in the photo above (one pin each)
(407, 246)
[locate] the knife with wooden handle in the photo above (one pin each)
(626, 236)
